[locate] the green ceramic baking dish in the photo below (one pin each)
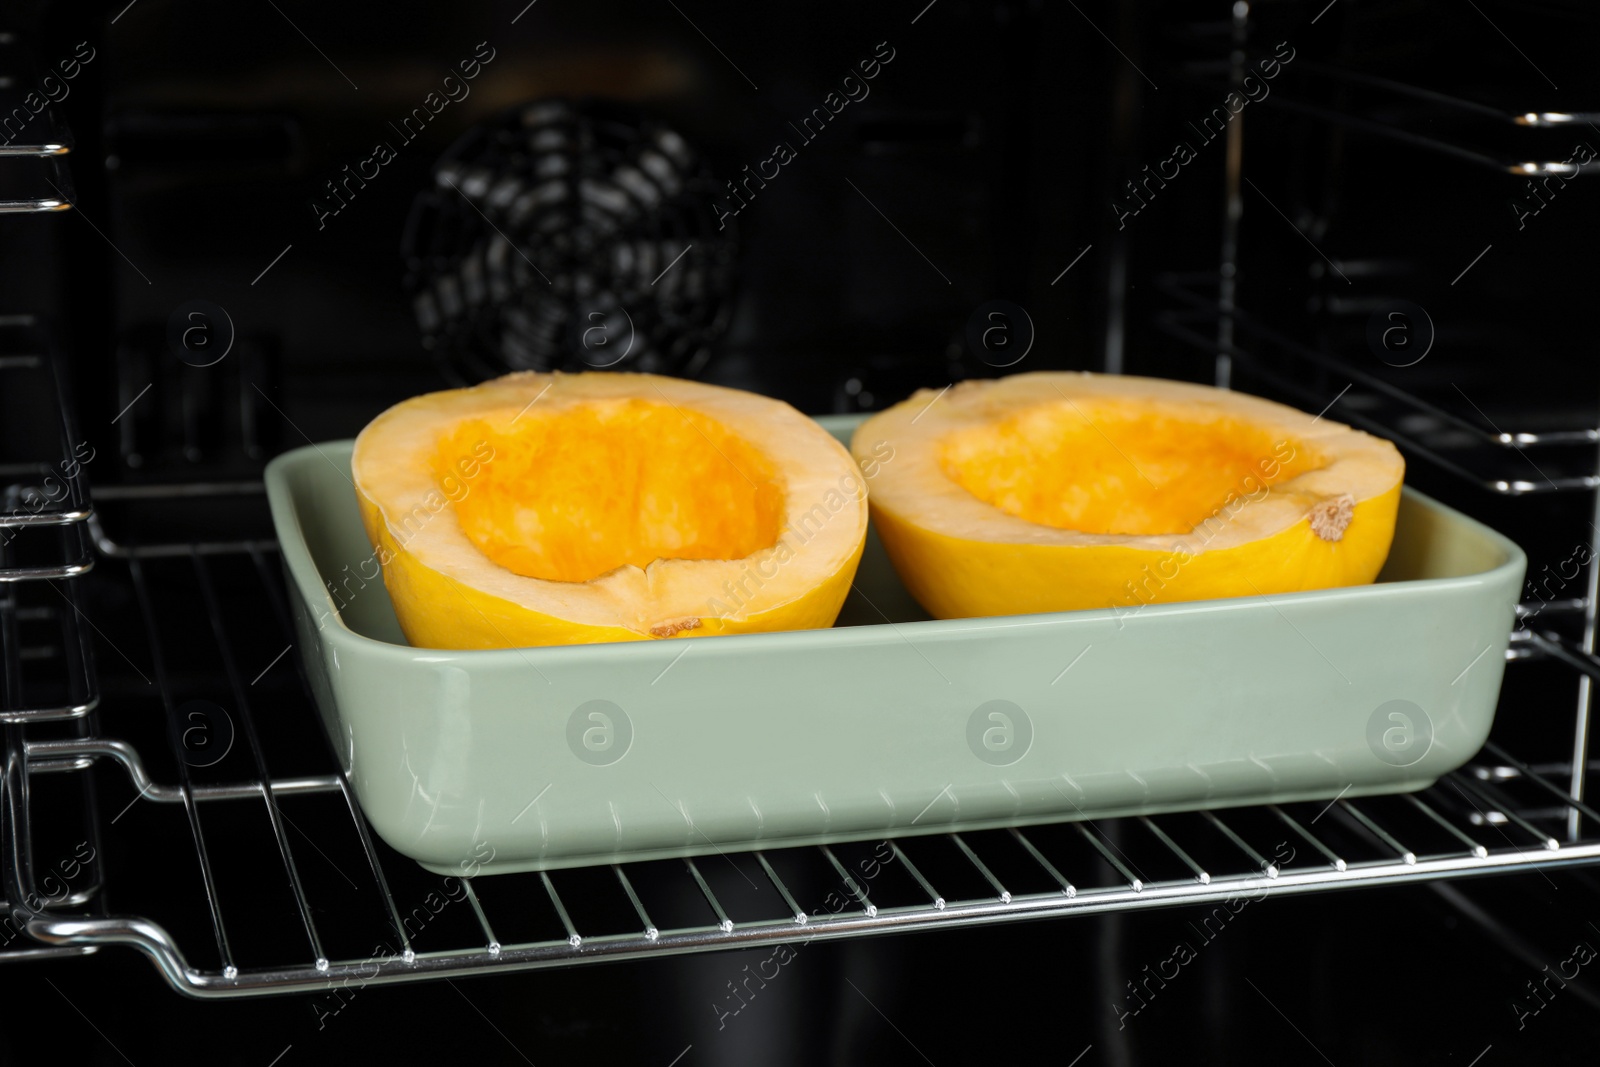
(889, 722)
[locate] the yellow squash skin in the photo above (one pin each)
(958, 578)
(439, 612)
(1302, 502)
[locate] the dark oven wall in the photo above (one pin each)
(970, 166)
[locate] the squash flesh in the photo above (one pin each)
(629, 498)
(573, 494)
(1113, 468)
(1056, 491)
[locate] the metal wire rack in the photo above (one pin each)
(49, 683)
(1412, 116)
(1453, 443)
(44, 134)
(349, 911)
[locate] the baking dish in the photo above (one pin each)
(889, 723)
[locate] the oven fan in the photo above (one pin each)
(569, 236)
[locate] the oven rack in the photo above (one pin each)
(1506, 139)
(45, 513)
(1497, 816)
(1526, 166)
(46, 134)
(1261, 349)
(38, 495)
(43, 166)
(1460, 106)
(862, 917)
(37, 151)
(49, 679)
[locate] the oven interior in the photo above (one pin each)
(1386, 229)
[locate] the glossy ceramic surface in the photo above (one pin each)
(889, 722)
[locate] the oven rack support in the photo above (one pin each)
(46, 134)
(1530, 165)
(39, 494)
(45, 543)
(46, 654)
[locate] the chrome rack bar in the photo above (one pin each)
(16, 519)
(1066, 887)
(393, 911)
(1544, 119)
(850, 883)
(208, 877)
(983, 868)
(71, 900)
(76, 645)
(82, 565)
(1315, 842)
(934, 897)
(60, 766)
(60, 180)
(33, 207)
(1525, 169)
(1498, 804)
(17, 859)
(1560, 648)
(126, 755)
(341, 781)
(88, 727)
(324, 783)
(1586, 686)
(39, 148)
(47, 952)
(724, 923)
(783, 890)
(1476, 849)
(274, 816)
(573, 937)
(1569, 606)
(1338, 74)
(492, 943)
(1265, 865)
(1408, 857)
(53, 137)
(1200, 873)
(650, 931)
(73, 510)
(1540, 780)
(1136, 884)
